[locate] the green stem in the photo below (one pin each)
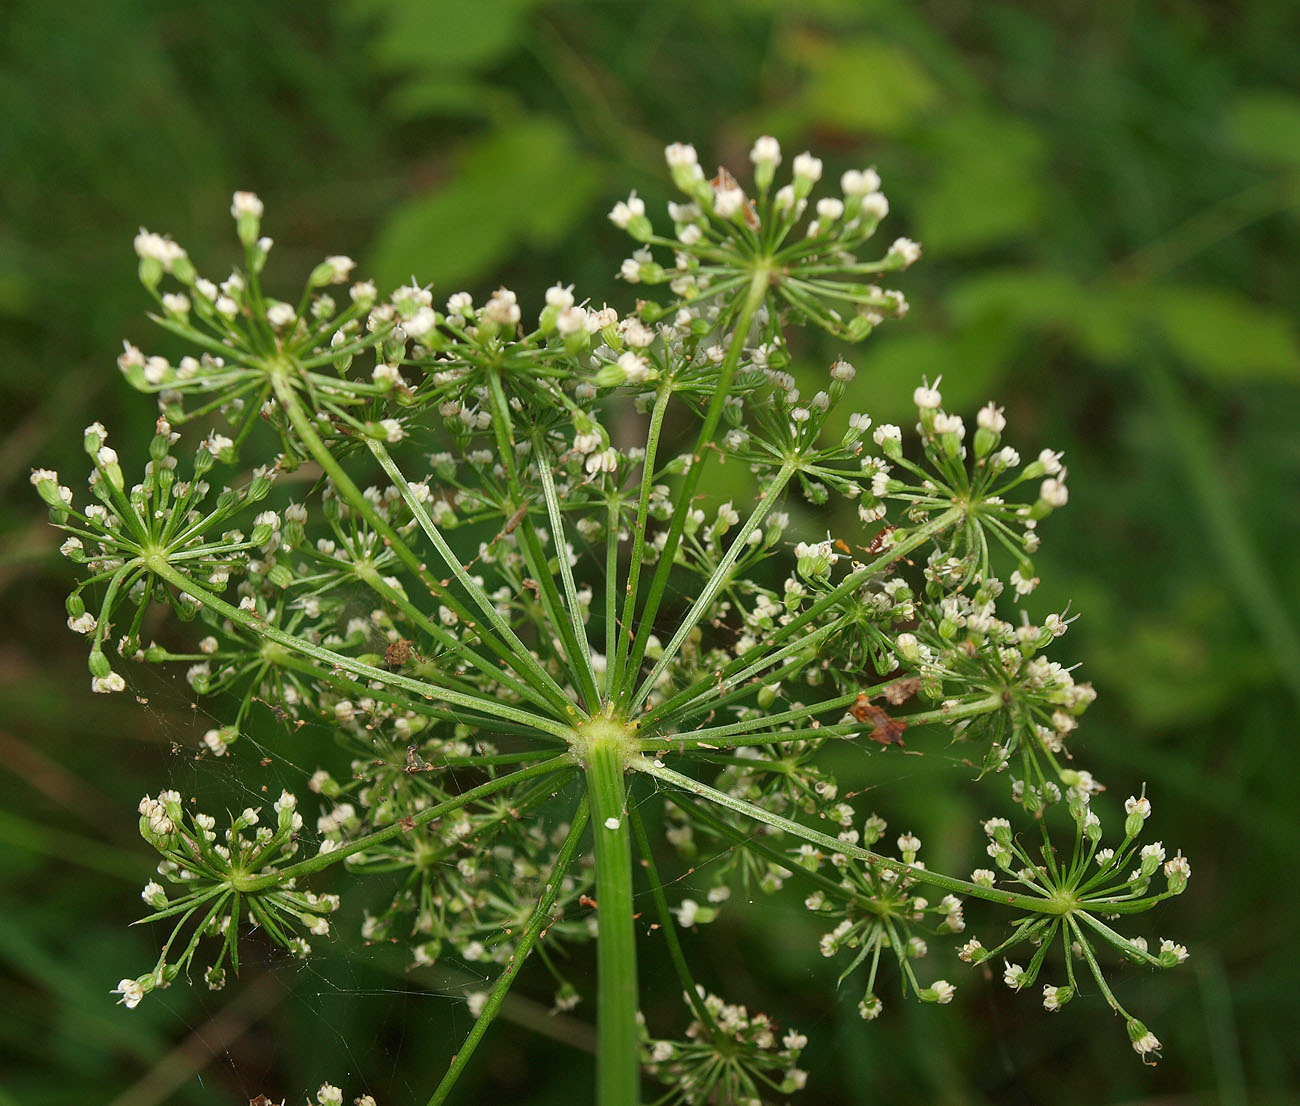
(540, 919)
(717, 579)
(616, 663)
(745, 663)
(361, 844)
(513, 652)
(576, 658)
(517, 648)
(666, 922)
(922, 875)
(577, 627)
(758, 286)
(611, 601)
(160, 568)
(618, 1065)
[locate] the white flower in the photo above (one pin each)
(107, 685)
(766, 151)
(420, 323)
(927, 397)
(1053, 492)
(635, 367)
(949, 424)
(990, 417)
(502, 308)
(246, 203)
(1023, 585)
(875, 206)
(888, 432)
(870, 1007)
(83, 624)
(280, 315)
(1135, 805)
(681, 155)
(859, 182)
(571, 320)
(830, 208)
(626, 210)
(154, 247)
(906, 250)
(604, 461)
(131, 993)
(727, 202)
(339, 267)
(807, 168)
(559, 296)
(1178, 953)
(1144, 1041)
(1050, 461)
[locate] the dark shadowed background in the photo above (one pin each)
(1107, 197)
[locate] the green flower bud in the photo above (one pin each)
(281, 576)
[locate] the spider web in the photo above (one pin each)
(355, 1005)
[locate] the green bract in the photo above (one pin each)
(520, 609)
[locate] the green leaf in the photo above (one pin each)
(449, 93)
(866, 85)
(1098, 321)
(973, 361)
(467, 227)
(1224, 334)
(1026, 297)
(1266, 126)
(434, 35)
(988, 189)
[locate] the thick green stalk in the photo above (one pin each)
(758, 286)
(540, 919)
(617, 1059)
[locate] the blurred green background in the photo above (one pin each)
(1107, 196)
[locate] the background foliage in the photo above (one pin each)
(1107, 196)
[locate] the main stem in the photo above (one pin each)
(617, 1055)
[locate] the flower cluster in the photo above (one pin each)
(879, 909)
(720, 233)
(516, 601)
(1091, 886)
(219, 876)
(729, 1055)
